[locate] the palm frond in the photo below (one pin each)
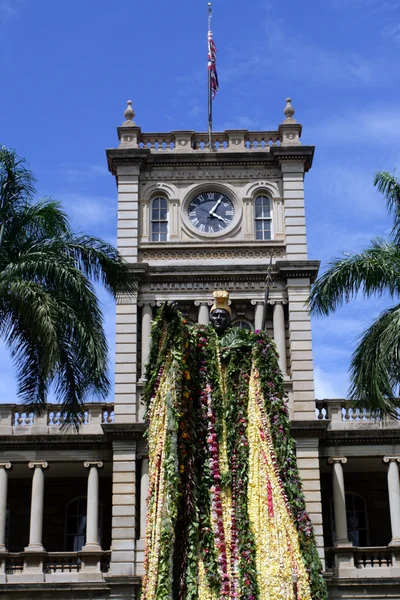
(101, 262)
(389, 186)
(374, 271)
(17, 183)
(43, 218)
(50, 316)
(375, 366)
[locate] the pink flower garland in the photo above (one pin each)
(216, 500)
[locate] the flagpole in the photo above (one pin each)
(266, 293)
(209, 88)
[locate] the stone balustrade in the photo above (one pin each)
(55, 566)
(231, 140)
(374, 561)
(184, 141)
(14, 420)
(342, 415)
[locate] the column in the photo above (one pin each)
(339, 501)
(36, 523)
(394, 497)
(92, 512)
(147, 316)
(144, 489)
(258, 313)
(4, 466)
(279, 333)
(204, 312)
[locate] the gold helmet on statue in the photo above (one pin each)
(221, 300)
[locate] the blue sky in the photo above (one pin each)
(67, 69)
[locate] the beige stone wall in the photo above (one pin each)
(308, 463)
(123, 544)
(293, 196)
(302, 369)
(126, 312)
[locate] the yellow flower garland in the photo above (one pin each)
(278, 555)
(156, 442)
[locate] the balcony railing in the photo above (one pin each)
(357, 562)
(15, 421)
(64, 566)
(342, 415)
(184, 141)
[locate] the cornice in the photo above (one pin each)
(250, 272)
(194, 159)
(125, 156)
(133, 431)
(294, 153)
(298, 268)
(49, 442)
(353, 437)
(309, 428)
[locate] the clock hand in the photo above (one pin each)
(220, 218)
(211, 212)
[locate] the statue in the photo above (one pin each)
(226, 514)
(220, 314)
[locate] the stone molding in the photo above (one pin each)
(274, 301)
(388, 459)
(158, 254)
(5, 465)
(38, 463)
(197, 171)
(95, 463)
(338, 459)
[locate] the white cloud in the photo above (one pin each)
(89, 210)
(330, 385)
(8, 9)
(338, 327)
(8, 384)
(378, 125)
(243, 122)
(392, 32)
(300, 59)
(74, 174)
(369, 7)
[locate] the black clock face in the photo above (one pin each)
(211, 212)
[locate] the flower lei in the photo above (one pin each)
(226, 514)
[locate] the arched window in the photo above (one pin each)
(243, 324)
(263, 219)
(75, 524)
(357, 520)
(159, 220)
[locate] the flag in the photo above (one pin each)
(212, 63)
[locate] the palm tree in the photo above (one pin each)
(375, 365)
(50, 317)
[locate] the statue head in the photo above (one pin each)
(220, 317)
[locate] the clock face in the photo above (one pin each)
(211, 212)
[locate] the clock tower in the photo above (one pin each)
(191, 220)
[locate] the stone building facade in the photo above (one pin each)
(72, 505)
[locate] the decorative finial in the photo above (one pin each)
(289, 111)
(129, 113)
